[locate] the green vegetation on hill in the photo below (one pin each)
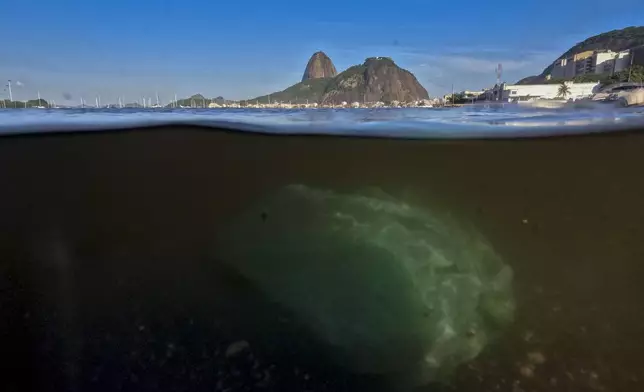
(37, 102)
(634, 74)
(534, 79)
(198, 101)
(32, 103)
(310, 89)
(346, 81)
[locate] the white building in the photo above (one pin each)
(607, 62)
(526, 92)
(623, 60)
(468, 95)
(603, 62)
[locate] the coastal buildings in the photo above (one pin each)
(472, 95)
(526, 92)
(465, 95)
(594, 62)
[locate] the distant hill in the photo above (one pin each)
(198, 100)
(377, 79)
(615, 40)
(532, 79)
(32, 103)
(311, 90)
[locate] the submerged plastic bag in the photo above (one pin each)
(390, 288)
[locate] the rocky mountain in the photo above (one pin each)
(615, 40)
(319, 66)
(377, 79)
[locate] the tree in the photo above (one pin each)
(564, 90)
(458, 98)
(590, 78)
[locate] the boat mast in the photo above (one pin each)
(452, 94)
(10, 93)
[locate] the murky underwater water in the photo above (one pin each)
(113, 276)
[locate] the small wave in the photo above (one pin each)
(468, 121)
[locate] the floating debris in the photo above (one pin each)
(527, 370)
(536, 358)
(236, 348)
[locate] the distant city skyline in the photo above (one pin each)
(243, 50)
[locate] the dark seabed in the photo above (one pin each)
(109, 281)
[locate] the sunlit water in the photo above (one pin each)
(493, 120)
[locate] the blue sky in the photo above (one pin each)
(242, 49)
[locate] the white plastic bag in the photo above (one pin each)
(391, 288)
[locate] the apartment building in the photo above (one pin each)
(564, 68)
(584, 63)
(592, 62)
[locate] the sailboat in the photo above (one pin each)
(157, 105)
(39, 104)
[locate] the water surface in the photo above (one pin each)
(479, 120)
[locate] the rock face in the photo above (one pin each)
(319, 66)
(377, 79)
